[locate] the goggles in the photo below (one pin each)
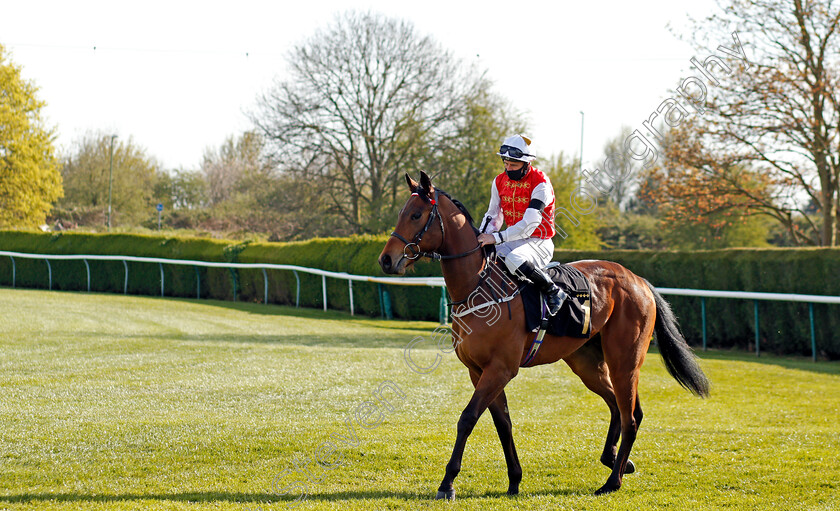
(512, 152)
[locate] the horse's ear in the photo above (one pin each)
(412, 184)
(426, 182)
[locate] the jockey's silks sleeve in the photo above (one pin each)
(494, 218)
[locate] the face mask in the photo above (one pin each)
(516, 175)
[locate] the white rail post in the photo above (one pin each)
(755, 308)
(324, 287)
(265, 285)
(87, 269)
(197, 284)
(350, 285)
(297, 288)
(125, 286)
(49, 269)
(813, 333)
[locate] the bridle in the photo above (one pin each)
(412, 251)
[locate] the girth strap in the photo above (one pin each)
(538, 339)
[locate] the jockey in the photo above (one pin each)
(522, 197)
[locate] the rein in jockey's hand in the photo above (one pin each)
(486, 239)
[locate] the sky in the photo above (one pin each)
(178, 77)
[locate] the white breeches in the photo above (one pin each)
(536, 250)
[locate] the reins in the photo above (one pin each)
(412, 251)
(414, 246)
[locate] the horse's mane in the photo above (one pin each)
(461, 208)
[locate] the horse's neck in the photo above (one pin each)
(462, 273)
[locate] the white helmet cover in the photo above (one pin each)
(520, 142)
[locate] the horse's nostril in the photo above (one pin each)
(385, 262)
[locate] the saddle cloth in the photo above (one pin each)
(573, 318)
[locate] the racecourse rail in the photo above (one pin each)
(412, 281)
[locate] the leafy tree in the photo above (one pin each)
(364, 101)
(29, 178)
(629, 230)
(575, 220)
(700, 209)
(87, 171)
(776, 112)
(466, 163)
(182, 189)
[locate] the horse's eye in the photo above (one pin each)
(415, 216)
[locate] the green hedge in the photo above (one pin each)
(109, 276)
(784, 327)
(357, 255)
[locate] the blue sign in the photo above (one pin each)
(159, 207)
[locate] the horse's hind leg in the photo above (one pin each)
(624, 374)
(501, 418)
(588, 363)
(627, 398)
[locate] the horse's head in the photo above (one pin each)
(419, 228)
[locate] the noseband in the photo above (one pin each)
(412, 251)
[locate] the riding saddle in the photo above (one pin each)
(573, 318)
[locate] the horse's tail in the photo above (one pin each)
(679, 359)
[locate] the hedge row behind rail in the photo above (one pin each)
(784, 327)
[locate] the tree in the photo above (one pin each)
(87, 171)
(617, 181)
(29, 178)
(235, 166)
(574, 206)
(363, 102)
(182, 189)
(246, 193)
(703, 209)
(468, 163)
(777, 114)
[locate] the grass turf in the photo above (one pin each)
(115, 402)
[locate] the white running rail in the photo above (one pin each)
(416, 281)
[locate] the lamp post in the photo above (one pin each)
(110, 180)
(580, 170)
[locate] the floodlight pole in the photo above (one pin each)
(580, 169)
(110, 180)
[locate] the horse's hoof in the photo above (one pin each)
(448, 495)
(513, 490)
(630, 467)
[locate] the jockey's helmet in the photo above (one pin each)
(517, 147)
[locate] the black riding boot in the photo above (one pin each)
(554, 296)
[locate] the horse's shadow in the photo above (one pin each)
(265, 499)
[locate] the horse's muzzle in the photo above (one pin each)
(391, 266)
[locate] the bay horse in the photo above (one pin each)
(626, 310)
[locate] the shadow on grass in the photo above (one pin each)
(257, 499)
(311, 313)
(244, 498)
(788, 362)
(323, 339)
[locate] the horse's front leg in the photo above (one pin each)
(504, 426)
(488, 387)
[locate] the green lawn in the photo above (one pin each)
(114, 402)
